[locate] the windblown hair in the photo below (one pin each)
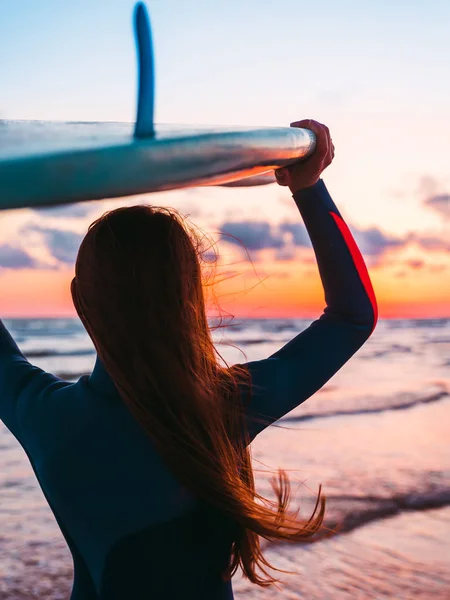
(139, 291)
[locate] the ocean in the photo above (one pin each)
(376, 437)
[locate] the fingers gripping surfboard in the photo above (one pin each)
(50, 163)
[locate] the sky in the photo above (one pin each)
(376, 73)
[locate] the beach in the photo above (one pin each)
(375, 436)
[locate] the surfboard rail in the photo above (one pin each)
(111, 166)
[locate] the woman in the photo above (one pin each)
(145, 463)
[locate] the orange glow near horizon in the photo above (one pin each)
(271, 289)
(34, 293)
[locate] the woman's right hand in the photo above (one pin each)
(306, 172)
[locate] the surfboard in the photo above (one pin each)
(48, 163)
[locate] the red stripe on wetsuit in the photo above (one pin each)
(359, 263)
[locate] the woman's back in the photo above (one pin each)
(134, 530)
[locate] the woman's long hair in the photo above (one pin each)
(139, 291)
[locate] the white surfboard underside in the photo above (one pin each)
(47, 163)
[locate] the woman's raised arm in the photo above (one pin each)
(288, 377)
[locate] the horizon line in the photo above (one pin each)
(48, 318)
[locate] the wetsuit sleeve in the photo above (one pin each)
(288, 377)
(20, 381)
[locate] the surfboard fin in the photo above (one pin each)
(144, 127)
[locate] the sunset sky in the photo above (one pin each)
(375, 72)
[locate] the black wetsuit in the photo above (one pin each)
(133, 531)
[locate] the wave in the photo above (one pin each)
(379, 508)
(406, 323)
(377, 404)
(51, 353)
(444, 340)
(393, 348)
(346, 513)
(245, 342)
(29, 328)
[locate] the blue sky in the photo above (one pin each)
(377, 73)
(226, 62)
